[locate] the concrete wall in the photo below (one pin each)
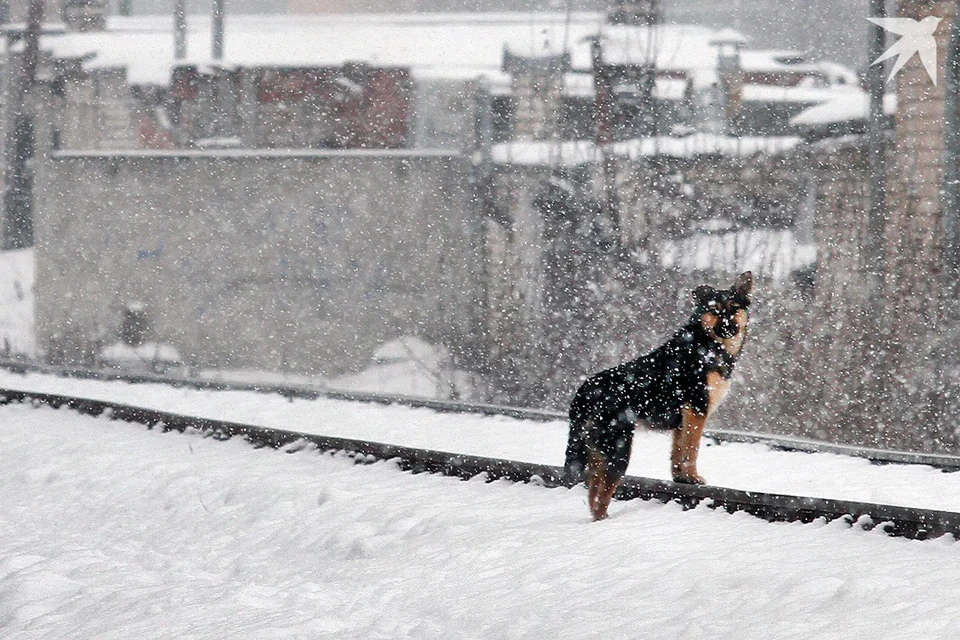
(97, 111)
(276, 260)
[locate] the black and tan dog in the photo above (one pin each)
(677, 386)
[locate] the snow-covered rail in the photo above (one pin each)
(785, 443)
(898, 521)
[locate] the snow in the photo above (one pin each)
(412, 367)
(113, 531)
(16, 303)
(576, 152)
(411, 348)
(706, 144)
(147, 355)
(567, 153)
(776, 253)
(408, 378)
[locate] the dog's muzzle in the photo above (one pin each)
(727, 328)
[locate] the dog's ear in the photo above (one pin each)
(703, 294)
(743, 287)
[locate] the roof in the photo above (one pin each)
(448, 45)
(672, 47)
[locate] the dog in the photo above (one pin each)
(675, 387)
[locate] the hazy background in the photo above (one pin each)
(825, 29)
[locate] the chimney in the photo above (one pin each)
(634, 12)
(85, 15)
(537, 83)
(729, 76)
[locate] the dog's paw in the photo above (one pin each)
(694, 479)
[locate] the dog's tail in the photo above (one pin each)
(575, 462)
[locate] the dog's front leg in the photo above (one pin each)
(686, 447)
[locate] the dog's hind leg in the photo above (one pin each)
(601, 485)
(605, 497)
(596, 474)
(596, 483)
(575, 460)
(686, 447)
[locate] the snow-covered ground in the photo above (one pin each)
(108, 530)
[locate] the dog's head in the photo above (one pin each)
(723, 313)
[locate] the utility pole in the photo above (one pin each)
(951, 174)
(604, 136)
(220, 101)
(218, 18)
(873, 337)
(876, 152)
(179, 29)
(18, 195)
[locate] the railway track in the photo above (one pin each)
(897, 521)
(783, 443)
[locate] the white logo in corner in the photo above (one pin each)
(917, 37)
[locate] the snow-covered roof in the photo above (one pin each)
(705, 144)
(452, 45)
(407, 348)
(842, 107)
(729, 36)
(775, 253)
(798, 93)
(443, 46)
(774, 60)
(567, 153)
(576, 152)
(119, 353)
(789, 61)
